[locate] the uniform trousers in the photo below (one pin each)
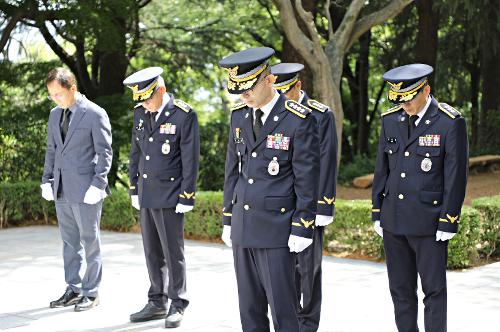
(308, 283)
(266, 276)
(163, 239)
(79, 226)
(407, 256)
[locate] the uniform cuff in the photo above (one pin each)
(449, 223)
(303, 227)
(187, 198)
(133, 190)
(375, 213)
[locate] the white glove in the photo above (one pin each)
(444, 236)
(298, 243)
(181, 208)
(378, 229)
(47, 192)
(93, 195)
(226, 235)
(323, 220)
(135, 201)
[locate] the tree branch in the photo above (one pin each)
(344, 31)
(8, 29)
(364, 24)
(56, 48)
(329, 19)
(268, 10)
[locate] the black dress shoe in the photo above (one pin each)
(174, 317)
(68, 298)
(87, 303)
(149, 312)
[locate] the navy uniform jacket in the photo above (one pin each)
(328, 146)
(419, 183)
(264, 209)
(164, 160)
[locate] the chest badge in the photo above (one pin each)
(140, 126)
(237, 136)
(426, 164)
(165, 147)
(274, 167)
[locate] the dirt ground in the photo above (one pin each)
(479, 185)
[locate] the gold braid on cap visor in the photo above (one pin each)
(286, 85)
(406, 95)
(141, 96)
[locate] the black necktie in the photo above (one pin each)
(65, 122)
(257, 125)
(152, 119)
(412, 119)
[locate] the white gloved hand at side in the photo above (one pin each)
(181, 208)
(135, 201)
(93, 195)
(298, 243)
(47, 192)
(323, 220)
(377, 228)
(444, 236)
(226, 235)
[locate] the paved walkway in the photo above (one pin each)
(356, 292)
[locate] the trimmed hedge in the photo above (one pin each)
(350, 233)
(488, 208)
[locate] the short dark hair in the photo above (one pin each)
(62, 76)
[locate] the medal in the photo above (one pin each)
(237, 136)
(426, 165)
(274, 167)
(165, 148)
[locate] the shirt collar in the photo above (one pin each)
(301, 98)
(266, 109)
(78, 98)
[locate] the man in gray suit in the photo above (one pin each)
(77, 163)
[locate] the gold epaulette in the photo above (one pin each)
(317, 105)
(392, 110)
(182, 105)
(297, 109)
(450, 111)
(238, 106)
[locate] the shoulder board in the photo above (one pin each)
(297, 109)
(182, 105)
(238, 106)
(450, 111)
(317, 105)
(392, 110)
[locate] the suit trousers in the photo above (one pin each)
(407, 256)
(266, 276)
(308, 281)
(163, 240)
(79, 226)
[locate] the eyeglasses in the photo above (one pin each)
(54, 96)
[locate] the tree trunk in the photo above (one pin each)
(427, 37)
(363, 71)
(490, 72)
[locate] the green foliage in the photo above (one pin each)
(213, 142)
(359, 166)
(462, 249)
(352, 230)
(23, 201)
(117, 212)
(205, 220)
(489, 208)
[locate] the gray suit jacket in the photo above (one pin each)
(84, 159)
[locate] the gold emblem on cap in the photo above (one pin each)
(395, 86)
(232, 71)
(134, 88)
